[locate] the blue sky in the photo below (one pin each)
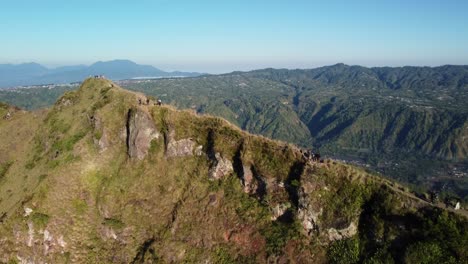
(225, 35)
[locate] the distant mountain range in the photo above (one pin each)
(32, 73)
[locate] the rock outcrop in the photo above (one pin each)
(220, 168)
(180, 148)
(140, 131)
(279, 210)
(101, 138)
(338, 234)
(252, 183)
(307, 214)
(248, 180)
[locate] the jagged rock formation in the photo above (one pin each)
(248, 180)
(308, 212)
(334, 234)
(180, 148)
(221, 167)
(108, 180)
(140, 132)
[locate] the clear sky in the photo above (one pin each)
(224, 35)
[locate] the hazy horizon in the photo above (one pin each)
(183, 69)
(217, 37)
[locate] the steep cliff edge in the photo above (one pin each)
(108, 176)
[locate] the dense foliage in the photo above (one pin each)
(389, 234)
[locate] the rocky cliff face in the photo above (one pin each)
(140, 132)
(106, 178)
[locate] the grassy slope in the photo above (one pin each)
(17, 137)
(108, 208)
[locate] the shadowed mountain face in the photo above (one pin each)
(106, 175)
(34, 74)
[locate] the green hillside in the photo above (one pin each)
(408, 123)
(103, 178)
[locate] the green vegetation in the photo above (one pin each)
(386, 231)
(278, 234)
(114, 223)
(34, 98)
(222, 255)
(40, 220)
(383, 117)
(102, 205)
(68, 143)
(407, 123)
(344, 251)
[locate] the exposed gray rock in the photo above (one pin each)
(30, 234)
(140, 131)
(27, 211)
(199, 150)
(180, 148)
(103, 141)
(307, 214)
(221, 167)
(108, 233)
(338, 234)
(61, 242)
(48, 241)
(309, 219)
(250, 185)
(279, 210)
(253, 183)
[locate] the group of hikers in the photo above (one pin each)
(147, 101)
(311, 156)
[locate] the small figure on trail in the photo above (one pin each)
(159, 102)
(310, 156)
(139, 101)
(434, 196)
(147, 101)
(317, 157)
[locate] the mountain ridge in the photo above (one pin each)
(409, 123)
(107, 175)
